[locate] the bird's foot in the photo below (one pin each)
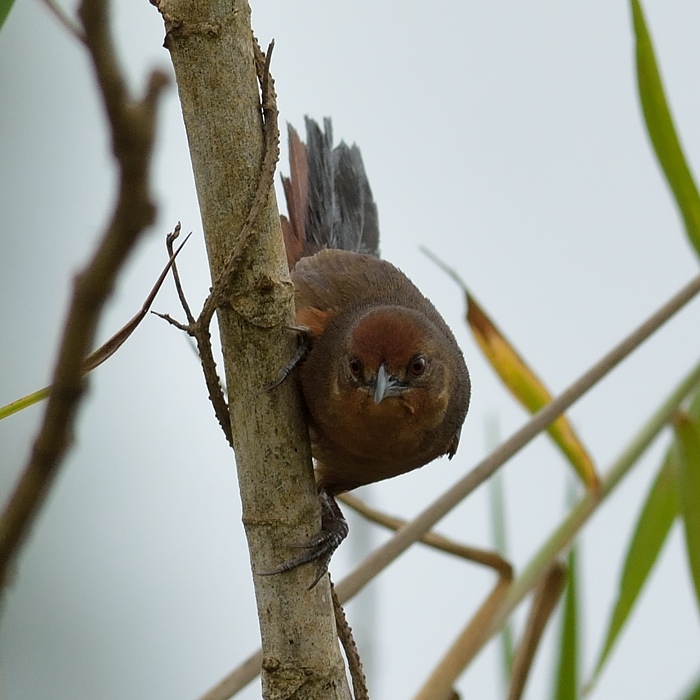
(302, 351)
(320, 548)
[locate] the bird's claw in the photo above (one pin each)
(320, 548)
(299, 355)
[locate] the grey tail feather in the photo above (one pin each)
(341, 211)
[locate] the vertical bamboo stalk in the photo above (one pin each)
(211, 46)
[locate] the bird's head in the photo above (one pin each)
(394, 363)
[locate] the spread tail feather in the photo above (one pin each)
(296, 192)
(329, 199)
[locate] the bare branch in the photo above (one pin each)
(359, 682)
(169, 241)
(432, 539)
(544, 602)
(68, 22)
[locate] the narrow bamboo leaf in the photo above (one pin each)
(662, 131)
(688, 488)
(653, 526)
(5, 7)
(24, 402)
(566, 686)
(527, 388)
(498, 525)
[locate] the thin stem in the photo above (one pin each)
(68, 23)
(432, 539)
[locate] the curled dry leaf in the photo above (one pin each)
(527, 387)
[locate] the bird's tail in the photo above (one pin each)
(329, 199)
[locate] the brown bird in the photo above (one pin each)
(383, 379)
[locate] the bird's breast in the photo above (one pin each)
(358, 442)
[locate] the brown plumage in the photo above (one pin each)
(384, 381)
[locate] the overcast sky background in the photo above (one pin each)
(505, 136)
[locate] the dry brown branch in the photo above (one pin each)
(359, 682)
(169, 242)
(132, 125)
(68, 22)
(544, 602)
(479, 556)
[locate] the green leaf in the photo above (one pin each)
(662, 131)
(24, 402)
(5, 7)
(653, 526)
(694, 692)
(566, 687)
(659, 511)
(688, 489)
(498, 524)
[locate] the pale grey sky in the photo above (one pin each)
(505, 136)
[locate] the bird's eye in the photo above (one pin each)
(417, 366)
(354, 366)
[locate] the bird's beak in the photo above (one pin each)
(386, 385)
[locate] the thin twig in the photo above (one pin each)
(357, 674)
(212, 379)
(544, 602)
(432, 539)
(132, 125)
(173, 321)
(68, 22)
(169, 241)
